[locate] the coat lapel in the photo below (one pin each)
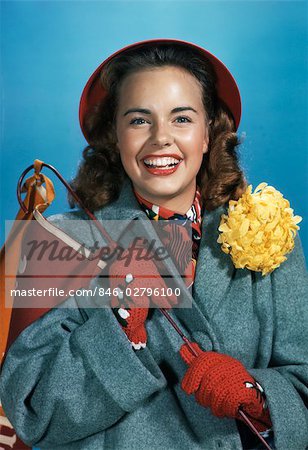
(215, 270)
(214, 275)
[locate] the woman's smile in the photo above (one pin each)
(162, 165)
(162, 170)
(162, 134)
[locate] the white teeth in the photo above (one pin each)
(165, 161)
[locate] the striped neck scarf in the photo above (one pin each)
(184, 256)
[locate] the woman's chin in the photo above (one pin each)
(162, 192)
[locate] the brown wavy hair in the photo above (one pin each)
(101, 174)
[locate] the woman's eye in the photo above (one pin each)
(183, 119)
(137, 121)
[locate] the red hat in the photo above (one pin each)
(226, 86)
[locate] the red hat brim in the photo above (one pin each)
(227, 89)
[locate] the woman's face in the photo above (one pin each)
(162, 134)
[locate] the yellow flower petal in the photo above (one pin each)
(297, 219)
(259, 229)
(260, 187)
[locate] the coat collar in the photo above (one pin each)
(125, 207)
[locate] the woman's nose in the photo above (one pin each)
(161, 136)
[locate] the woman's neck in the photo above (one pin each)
(180, 203)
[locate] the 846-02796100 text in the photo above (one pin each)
(129, 292)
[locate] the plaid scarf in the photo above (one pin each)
(194, 214)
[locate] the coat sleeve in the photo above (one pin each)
(286, 380)
(73, 373)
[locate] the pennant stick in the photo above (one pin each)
(253, 428)
(193, 351)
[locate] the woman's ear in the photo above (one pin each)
(206, 142)
(205, 148)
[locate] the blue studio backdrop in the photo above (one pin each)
(50, 48)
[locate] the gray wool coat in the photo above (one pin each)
(72, 381)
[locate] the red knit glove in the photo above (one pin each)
(222, 383)
(132, 322)
(132, 301)
(136, 275)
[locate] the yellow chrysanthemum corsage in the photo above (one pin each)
(259, 229)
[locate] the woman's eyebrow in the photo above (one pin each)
(139, 110)
(183, 108)
(147, 111)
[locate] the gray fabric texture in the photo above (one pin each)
(72, 381)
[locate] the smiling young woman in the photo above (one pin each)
(160, 118)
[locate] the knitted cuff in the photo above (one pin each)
(132, 321)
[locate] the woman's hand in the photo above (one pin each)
(141, 276)
(222, 383)
(132, 322)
